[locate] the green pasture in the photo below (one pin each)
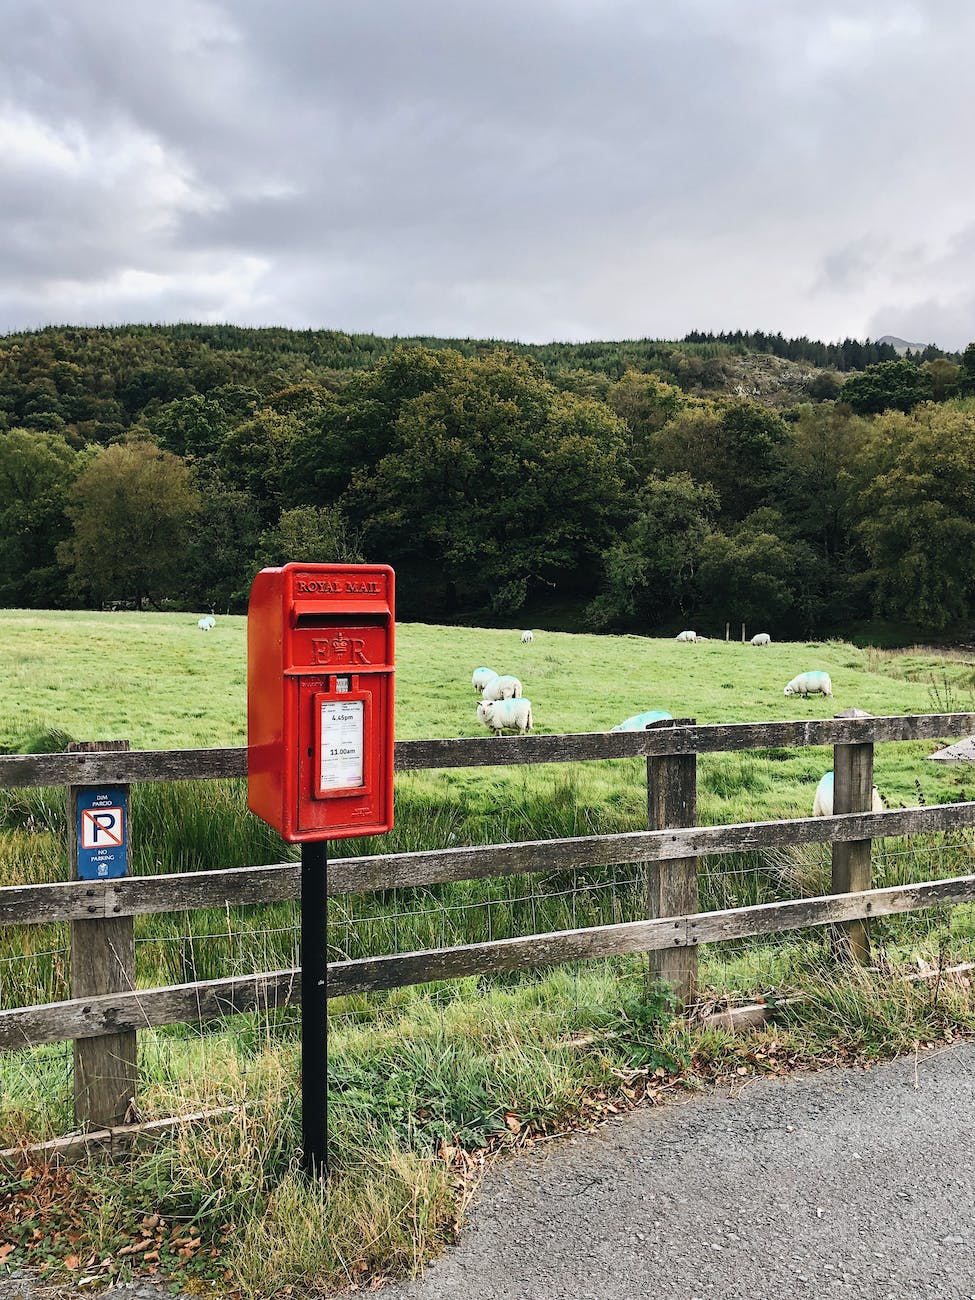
(159, 682)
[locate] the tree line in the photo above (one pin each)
(850, 354)
(164, 467)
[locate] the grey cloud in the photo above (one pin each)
(562, 169)
(937, 302)
(851, 265)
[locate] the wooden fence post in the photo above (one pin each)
(102, 961)
(852, 792)
(672, 888)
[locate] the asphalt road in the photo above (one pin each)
(836, 1184)
(840, 1183)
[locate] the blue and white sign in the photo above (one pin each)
(103, 836)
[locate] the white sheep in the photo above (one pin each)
(480, 678)
(761, 638)
(823, 799)
(686, 636)
(810, 684)
(501, 688)
(527, 638)
(206, 623)
(499, 715)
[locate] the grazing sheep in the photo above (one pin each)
(761, 638)
(206, 623)
(640, 721)
(498, 715)
(810, 684)
(527, 638)
(823, 799)
(501, 688)
(686, 636)
(480, 678)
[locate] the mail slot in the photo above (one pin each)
(320, 662)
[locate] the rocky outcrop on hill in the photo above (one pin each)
(775, 382)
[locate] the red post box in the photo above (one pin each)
(320, 663)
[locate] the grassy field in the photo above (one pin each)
(424, 1081)
(157, 681)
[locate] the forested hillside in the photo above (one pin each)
(633, 485)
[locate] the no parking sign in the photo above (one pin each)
(103, 849)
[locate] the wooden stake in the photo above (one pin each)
(106, 1070)
(672, 888)
(852, 792)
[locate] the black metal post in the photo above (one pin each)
(314, 1042)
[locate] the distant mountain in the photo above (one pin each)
(901, 346)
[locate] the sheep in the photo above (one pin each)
(810, 684)
(501, 688)
(640, 721)
(480, 678)
(497, 715)
(686, 636)
(761, 638)
(823, 799)
(527, 638)
(206, 623)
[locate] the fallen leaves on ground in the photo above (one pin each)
(46, 1216)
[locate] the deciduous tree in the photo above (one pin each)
(917, 517)
(757, 573)
(36, 470)
(308, 535)
(651, 573)
(131, 507)
(496, 484)
(888, 386)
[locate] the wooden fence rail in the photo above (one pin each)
(136, 766)
(279, 882)
(112, 1013)
(668, 851)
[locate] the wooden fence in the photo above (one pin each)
(107, 1010)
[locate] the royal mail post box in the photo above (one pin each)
(320, 700)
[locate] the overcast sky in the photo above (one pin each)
(530, 169)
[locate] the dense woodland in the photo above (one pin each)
(634, 486)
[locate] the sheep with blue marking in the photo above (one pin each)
(823, 798)
(640, 721)
(506, 715)
(504, 687)
(480, 678)
(807, 684)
